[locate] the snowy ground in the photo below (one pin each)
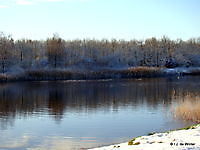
(174, 140)
(180, 70)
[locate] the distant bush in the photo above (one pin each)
(38, 75)
(47, 75)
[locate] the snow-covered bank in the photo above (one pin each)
(186, 139)
(182, 70)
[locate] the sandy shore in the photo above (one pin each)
(184, 139)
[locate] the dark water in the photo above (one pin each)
(82, 114)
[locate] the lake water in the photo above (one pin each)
(70, 115)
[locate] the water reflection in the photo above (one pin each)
(48, 143)
(14, 143)
(92, 106)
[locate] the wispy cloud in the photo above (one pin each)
(60, 0)
(3, 6)
(7, 3)
(50, 0)
(30, 2)
(24, 2)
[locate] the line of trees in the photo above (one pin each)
(56, 53)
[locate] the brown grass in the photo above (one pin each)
(47, 75)
(3, 77)
(134, 72)
(188, 111)
(142, 72)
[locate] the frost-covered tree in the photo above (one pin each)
(55, 52)
(6, 52)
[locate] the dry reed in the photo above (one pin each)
(188, 110)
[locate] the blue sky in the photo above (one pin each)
(121, 19)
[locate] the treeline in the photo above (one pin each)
(57, 53)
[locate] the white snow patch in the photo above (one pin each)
(174, 140)
(181, 70)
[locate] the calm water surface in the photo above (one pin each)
(70, 115)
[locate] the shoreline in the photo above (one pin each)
(91, 74)
(181, 139)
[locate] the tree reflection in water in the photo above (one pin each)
(57, 98)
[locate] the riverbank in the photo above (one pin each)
(182, 139)
(106, 73)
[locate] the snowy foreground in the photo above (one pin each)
(174, 140)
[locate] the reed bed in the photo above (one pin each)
(188, 110)
(34, 75)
